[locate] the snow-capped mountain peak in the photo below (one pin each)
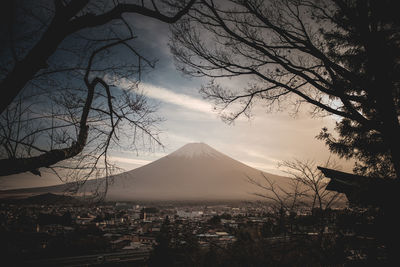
(191, 150)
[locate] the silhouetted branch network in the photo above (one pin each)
(64, 107)
(339, 56)
(306, 188)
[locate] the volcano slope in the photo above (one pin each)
(195, 172)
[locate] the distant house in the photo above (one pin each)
(119, 243)
(189, 214)
(147, 240)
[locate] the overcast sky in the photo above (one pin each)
(261, 142)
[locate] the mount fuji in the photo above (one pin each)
(196, 171)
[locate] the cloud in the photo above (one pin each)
(178, 99)
(130, 161)
(168, 96)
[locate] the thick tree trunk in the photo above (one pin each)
(395, 151)
(32, 164)
(37, 57)
(380, 67)
(390, 123)
(25, 69)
